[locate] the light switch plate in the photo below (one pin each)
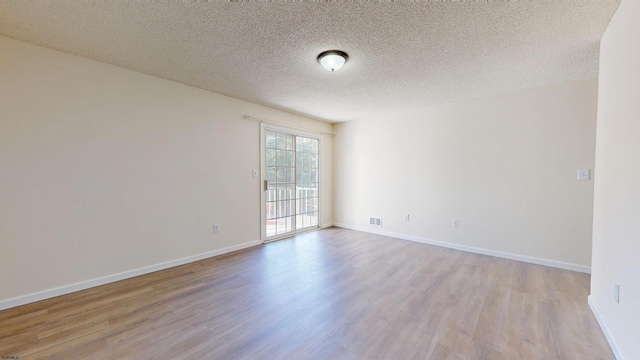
(584, 174)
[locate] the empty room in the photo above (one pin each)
(431, 179)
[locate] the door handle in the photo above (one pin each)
(266, 185)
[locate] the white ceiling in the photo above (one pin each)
(404, 56)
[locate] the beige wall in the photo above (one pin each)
(105, 170)
(616, 221)
(505, 166)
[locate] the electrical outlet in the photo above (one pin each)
(584, 174)
(407, 218)
(455, 223)
(616, 293)
(216, 228)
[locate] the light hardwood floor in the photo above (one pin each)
(330, 294)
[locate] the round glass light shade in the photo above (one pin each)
(332, 60)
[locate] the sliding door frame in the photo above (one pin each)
(264, 127)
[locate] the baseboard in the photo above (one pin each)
(67, 289)
(327, 225)
(504, 255)
(605, 330)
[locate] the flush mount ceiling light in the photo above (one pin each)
(332, 60)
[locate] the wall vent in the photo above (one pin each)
(375, 221)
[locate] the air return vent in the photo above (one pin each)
(375, 221)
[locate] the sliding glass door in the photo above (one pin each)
(291, 191)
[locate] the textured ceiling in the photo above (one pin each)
(403, 55)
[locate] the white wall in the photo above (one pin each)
(616, 220)
(505, 166)
(105, 170)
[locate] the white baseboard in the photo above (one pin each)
(471, 249)
(66, 289)
(327, 225)
(605, 330)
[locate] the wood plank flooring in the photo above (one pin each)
(330, 294)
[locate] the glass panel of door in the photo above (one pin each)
(291, 199)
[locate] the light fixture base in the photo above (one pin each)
(333, 60)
